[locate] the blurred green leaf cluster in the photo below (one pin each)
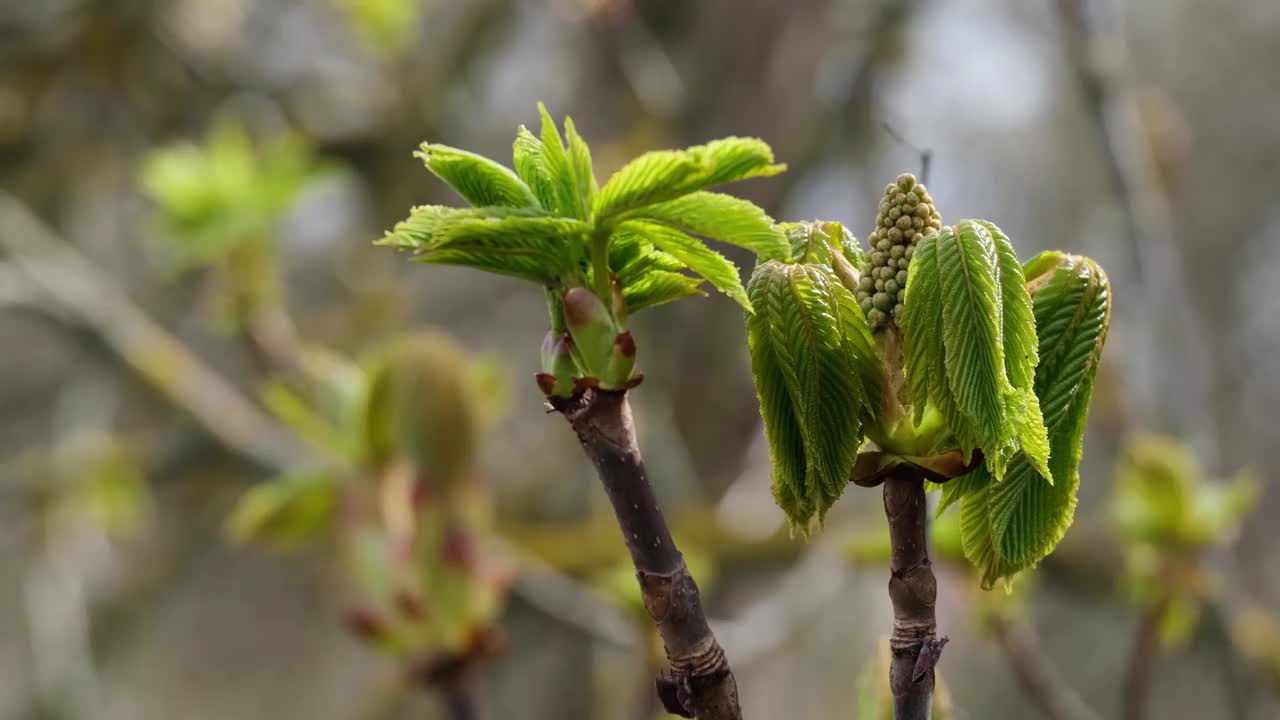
(399, 494)
(219, 196)
(384, 27)
(1163, 499)
(1168, 515)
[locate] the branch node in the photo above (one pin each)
(930, 654)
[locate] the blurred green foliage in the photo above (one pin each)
(219, 196)
(1169, 515)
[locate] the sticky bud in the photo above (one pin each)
(592, 330)
(558, 368)
(621, 362)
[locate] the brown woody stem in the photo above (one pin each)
(913, 591)
(699, 683)
(1142, 658)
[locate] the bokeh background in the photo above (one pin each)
(1145, 134)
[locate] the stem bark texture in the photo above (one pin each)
(913, 591)
(699, 683)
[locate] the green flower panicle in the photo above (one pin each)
(906, 214)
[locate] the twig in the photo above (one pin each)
(461, 702)
(700, 683)
(804, 590)
(913, 590)
(1035, 672)
(1096, 44)
(565, 599)
(57, 270)
(1142, 657)
(926, 154)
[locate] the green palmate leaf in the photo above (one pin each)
(720, 217)
(971, 334)
(531, 166)
(1011, 525)
(522, 243)
(668, 174)
(695, 255)
(658, 287)
(479, 180)
(810, 345)
(569, 199)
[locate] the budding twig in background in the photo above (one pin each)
(603, 253)
(920, 361)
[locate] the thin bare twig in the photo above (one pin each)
(1142, 658)
(1036, 674)
(67, 278)
(1096, 43)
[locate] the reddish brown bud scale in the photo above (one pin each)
(410, 604)
(366, 624)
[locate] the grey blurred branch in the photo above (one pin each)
(1036, 674)
(68, 280)
(1142, 658)
(59, 278)
(1096, 44)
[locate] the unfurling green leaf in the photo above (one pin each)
(584, 176)
(695, 255)
(479, 180)
(1011, 525)
(966, 288)
(569, 198)
(658, 287)
(664, 175)
(818, 379)
(523, 243)
(720, 217)
(531, 166)
(287, 512)
(973, 353)
(826, 243)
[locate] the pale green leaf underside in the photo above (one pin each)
(1011, 525)
(520, 243)
(694, 254)
(479, 180)
(658, 287)
(720, 217)
(664, 175)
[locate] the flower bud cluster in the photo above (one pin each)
(905, 216)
